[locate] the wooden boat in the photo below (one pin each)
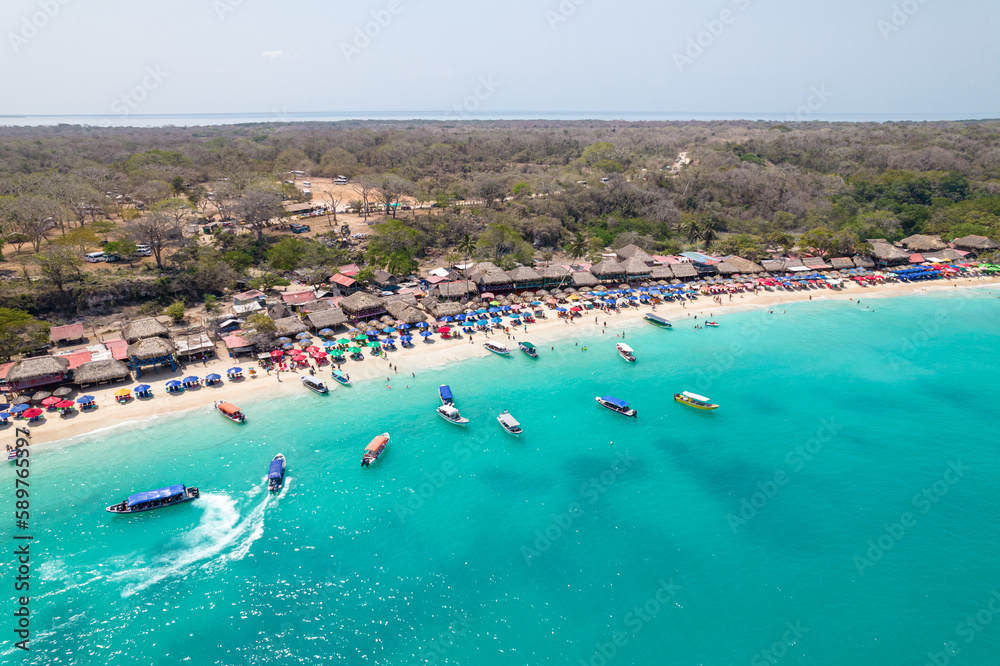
(626, 352)
(276, 473)
(444, 392)
(496, 348)
(658, 321)
(341, 377)
(315, 385)
(375, 449)
(713, 324)
(510, 424)
(616, 405)
(451, 415)
(528, 349)
(230, 411)
(155, 499)
(694, 400)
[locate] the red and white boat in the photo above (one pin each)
(375, 449)
(231, 412)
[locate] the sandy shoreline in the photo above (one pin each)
(425, 355)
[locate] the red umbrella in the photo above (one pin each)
(319, 354)
(51, 400)
(574, 309)
(313, 349)
(32, 413)
(444, 329)
(277, 353)
(65, 404)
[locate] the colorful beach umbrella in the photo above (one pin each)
(234, 371)
(188, 380)
(444, 329)
(213, 378)
(32, 413)
(52, 400)
(65, 404)
(404, 326)
(17, 409)
(142, 388)
(426, 333)
(389, 329)
(83, 400)
(422, 324)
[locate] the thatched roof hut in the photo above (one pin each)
(439, 310)
(953, 255)
(773, 265)
(744, 265)
(636, 268)
(793, 263)
(150, 348)
(554, 272)
(889, 254)
(842, 263)
(144, 328)
(384, 278)
(331, 318)
(36, 370)
(482, 268)
(609, 269)
(361, 304)
(863, 262)
(454, 289)
(408, 298)
(726, 268)
(633, 251)
(497, 278)
(684, 271)
(922, 243)
(96, 372)
(661, 272)
(396, 309)
(289, 326)
(976, 244)
(412, 315)
(584, 279)
(526, 277)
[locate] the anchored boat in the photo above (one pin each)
(626, 352)
(444, 391)
(375, 449)
(616, 405)
(496, 348)
(276, 473)
(510, 424)
(451, 415)
(315, 385)
(713, 324)
(341, 377)
(155, 499)
(528, 349)
(658, 321)
(231, 411)
(694, 400)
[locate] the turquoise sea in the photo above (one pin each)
(841, 507)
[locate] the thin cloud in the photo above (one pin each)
(273, 54)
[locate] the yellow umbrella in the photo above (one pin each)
(574, 297)
(123, 392)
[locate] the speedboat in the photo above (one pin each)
(375, 449)
(276, 473)
(528, 349)
(231, 411)
(694, 400)
(713, 324)
(626, 352)
(658, 321)
(447, 398)
(155, 499)
(496, 348)
(510, 424)
(341, 377)
(315, 385)
(616, 405)
(451, 415)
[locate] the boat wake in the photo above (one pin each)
(222, 536)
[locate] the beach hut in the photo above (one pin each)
(584, 279)
(632, 251)
(554, 276)
(726, 269)
(684, 271)
(289, 326)
(361, 305)
(195, 342)
(842, 264)
(744, 266)
(976, 244)
(151, 352)
(887, 254)
(69, 333)
(661, 273)
(773, 266)
(608, 270)
(495, 281)
(525, 278)
(922, 243)
(327, 319)
(459, 289)
(636, 270)
(144, 328)
(100, 372)
(39, 371)
(863, 262)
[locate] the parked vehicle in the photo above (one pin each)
(300, 228)
(95, 257)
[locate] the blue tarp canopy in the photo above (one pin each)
(190, 380)
(20, 408)
(445, 392)
(615, 401)
(142, 388)
(274, 471)
(213, 377)
(151, 495)
(83, 400)
(173, 383)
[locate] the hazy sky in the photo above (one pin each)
(769, 56)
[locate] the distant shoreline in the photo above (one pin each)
(426, 356)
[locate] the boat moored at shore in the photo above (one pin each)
(496, 348)
(231, 411)
(315, 385)
(444, 392)
(528, 349)
(616, 405)
(694, 400)
(276, 473)
(341, 377)
(375, 449)
(658, 321)
(510, 424)
(451, 415)
(155, 499)
(626, 352)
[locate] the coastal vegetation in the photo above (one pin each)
(435, 193)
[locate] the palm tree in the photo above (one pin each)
(466, 246)
(690, 229)
(577, 247)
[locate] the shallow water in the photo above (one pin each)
(468, 546)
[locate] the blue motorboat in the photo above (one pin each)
(444, 391)
(155, 499)
(276, 473)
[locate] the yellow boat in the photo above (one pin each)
(694, 400)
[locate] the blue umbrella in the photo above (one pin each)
(388, 329)
(20, 408)
(234, 371)
(447, 319)
(481, 311)
(303, 336)
(353, 331)
(5, 406)
(426, 333)
(496, 320)
(492, 310)
(504, 308)
(560, 309)
(4, 416)
(329, 343)
(406, 338)
(514, 315)
(287, 346)
(213, 378)
(460, 317)
(403, 327)
(422, 324)
(190, 380)
(141, 388)
(283, 340)
(82, 400)
(326, 331)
